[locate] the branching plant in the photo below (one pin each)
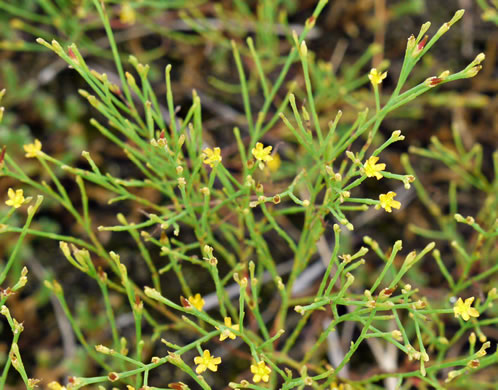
(227, 214)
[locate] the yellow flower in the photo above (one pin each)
(32, 150)
(127, 14)
(261, 372)
(387, 201)
(372, 169)
(227, 333)
(274, 163)
(206, 361)
(211, 156)
(16, 199)
(464, 310)
(197, 301)
(376, 77)
(262, 154)
(56, 386)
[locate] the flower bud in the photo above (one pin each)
(396, 136)
(205, 191)
(410, 259)
(152, 292)
(473, 71)
(397, 335)
(411, 43)
(54, 286)
(425, 27)
(492, 294)
(444, 74)
(5, 311)
(303, 49)
(479, 58)
(385, 293)
(482, 352)
(299, 309)
(43, 42)
(57, 47)
(458, 15)
(452, 375)
(433, 81)
(103, 349)
(130, 79)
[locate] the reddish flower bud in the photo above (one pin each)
(422, 43)
(2, 154)
(71, 54)
(185, 302)
(433, 81)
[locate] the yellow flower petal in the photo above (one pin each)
(197, 301)
(464, 309)
(32, 150)
(211, 156)
(261, 372)
(376, 77)
(372, 169)
(227, 333)
(206, 362)
(262, 154)
(16, 198)
(387, 202)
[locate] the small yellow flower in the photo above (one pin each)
(227, 333)
(261, 372)
(211, 156)
(464, 310)
(372, 169)
(275, 162)
(56, 386)
(32, 150)
(197, 301)
(206, 361)
(16, 198)
(262, 154)
(127, 14)
(387, 201)
(376, 77)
